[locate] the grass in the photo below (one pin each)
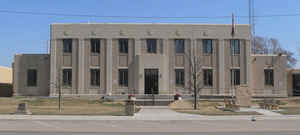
(70, 106)
(290, 107)
(204, 108)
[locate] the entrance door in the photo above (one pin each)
(151, 81)
(296, 84)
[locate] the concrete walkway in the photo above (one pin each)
(163, 113)
(261, 111)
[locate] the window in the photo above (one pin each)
(207, 46)
(95, 45)
(151, 45)
(179, 45)
(31, 77)
(235, 46)
(67, 43)
(179, 76)
(123, 45)
(95, 77)
(269, 77)
(67, 77)
(208, 77)
(235, 76)
(123, 77)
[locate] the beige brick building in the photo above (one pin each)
(120, 59)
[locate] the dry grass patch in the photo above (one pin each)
(204, 108)
(70, 106)
(290, 107)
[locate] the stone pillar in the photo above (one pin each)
(81, 65)
(108, 68)
(138, 79)
(221, 66)
(130, 107)
(53, 70)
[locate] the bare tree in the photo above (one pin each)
(195, 82)
(263, 45)
(57, 85)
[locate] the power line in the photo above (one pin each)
(142, 17)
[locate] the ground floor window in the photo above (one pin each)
(235, 76)
(123, 77)
(179, 73)
(31, 77)
(269, 77)
(208, 77)
(67, 77)
(95, 77)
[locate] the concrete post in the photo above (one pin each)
(53, 70)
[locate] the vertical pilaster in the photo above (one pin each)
(221, 66)
(81, 65)
(138, 78)
(53, 70)
(108, 68)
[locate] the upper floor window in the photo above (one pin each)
(235, 76)
(151, 45)
(67, 77)
(269, 77)
(208, 77)
(95, 77)
(67, 44)
(235, 46)
(179, 74)
(123, 45)
(123, 77)
(95, 45)
(179, 45)
(31, 77)
(207, 46)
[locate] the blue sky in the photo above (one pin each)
(29, 33)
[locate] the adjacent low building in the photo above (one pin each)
(148, 59)
(6, 89)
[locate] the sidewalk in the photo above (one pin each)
(155, 113)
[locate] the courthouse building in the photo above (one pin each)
(119, 59)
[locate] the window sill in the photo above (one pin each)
(207, 54)
(94, 87)
(67, 54)
(95, 54)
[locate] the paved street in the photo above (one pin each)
(123, 126)
(162, 133)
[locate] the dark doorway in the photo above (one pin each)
(151, 81)
(296, 84)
